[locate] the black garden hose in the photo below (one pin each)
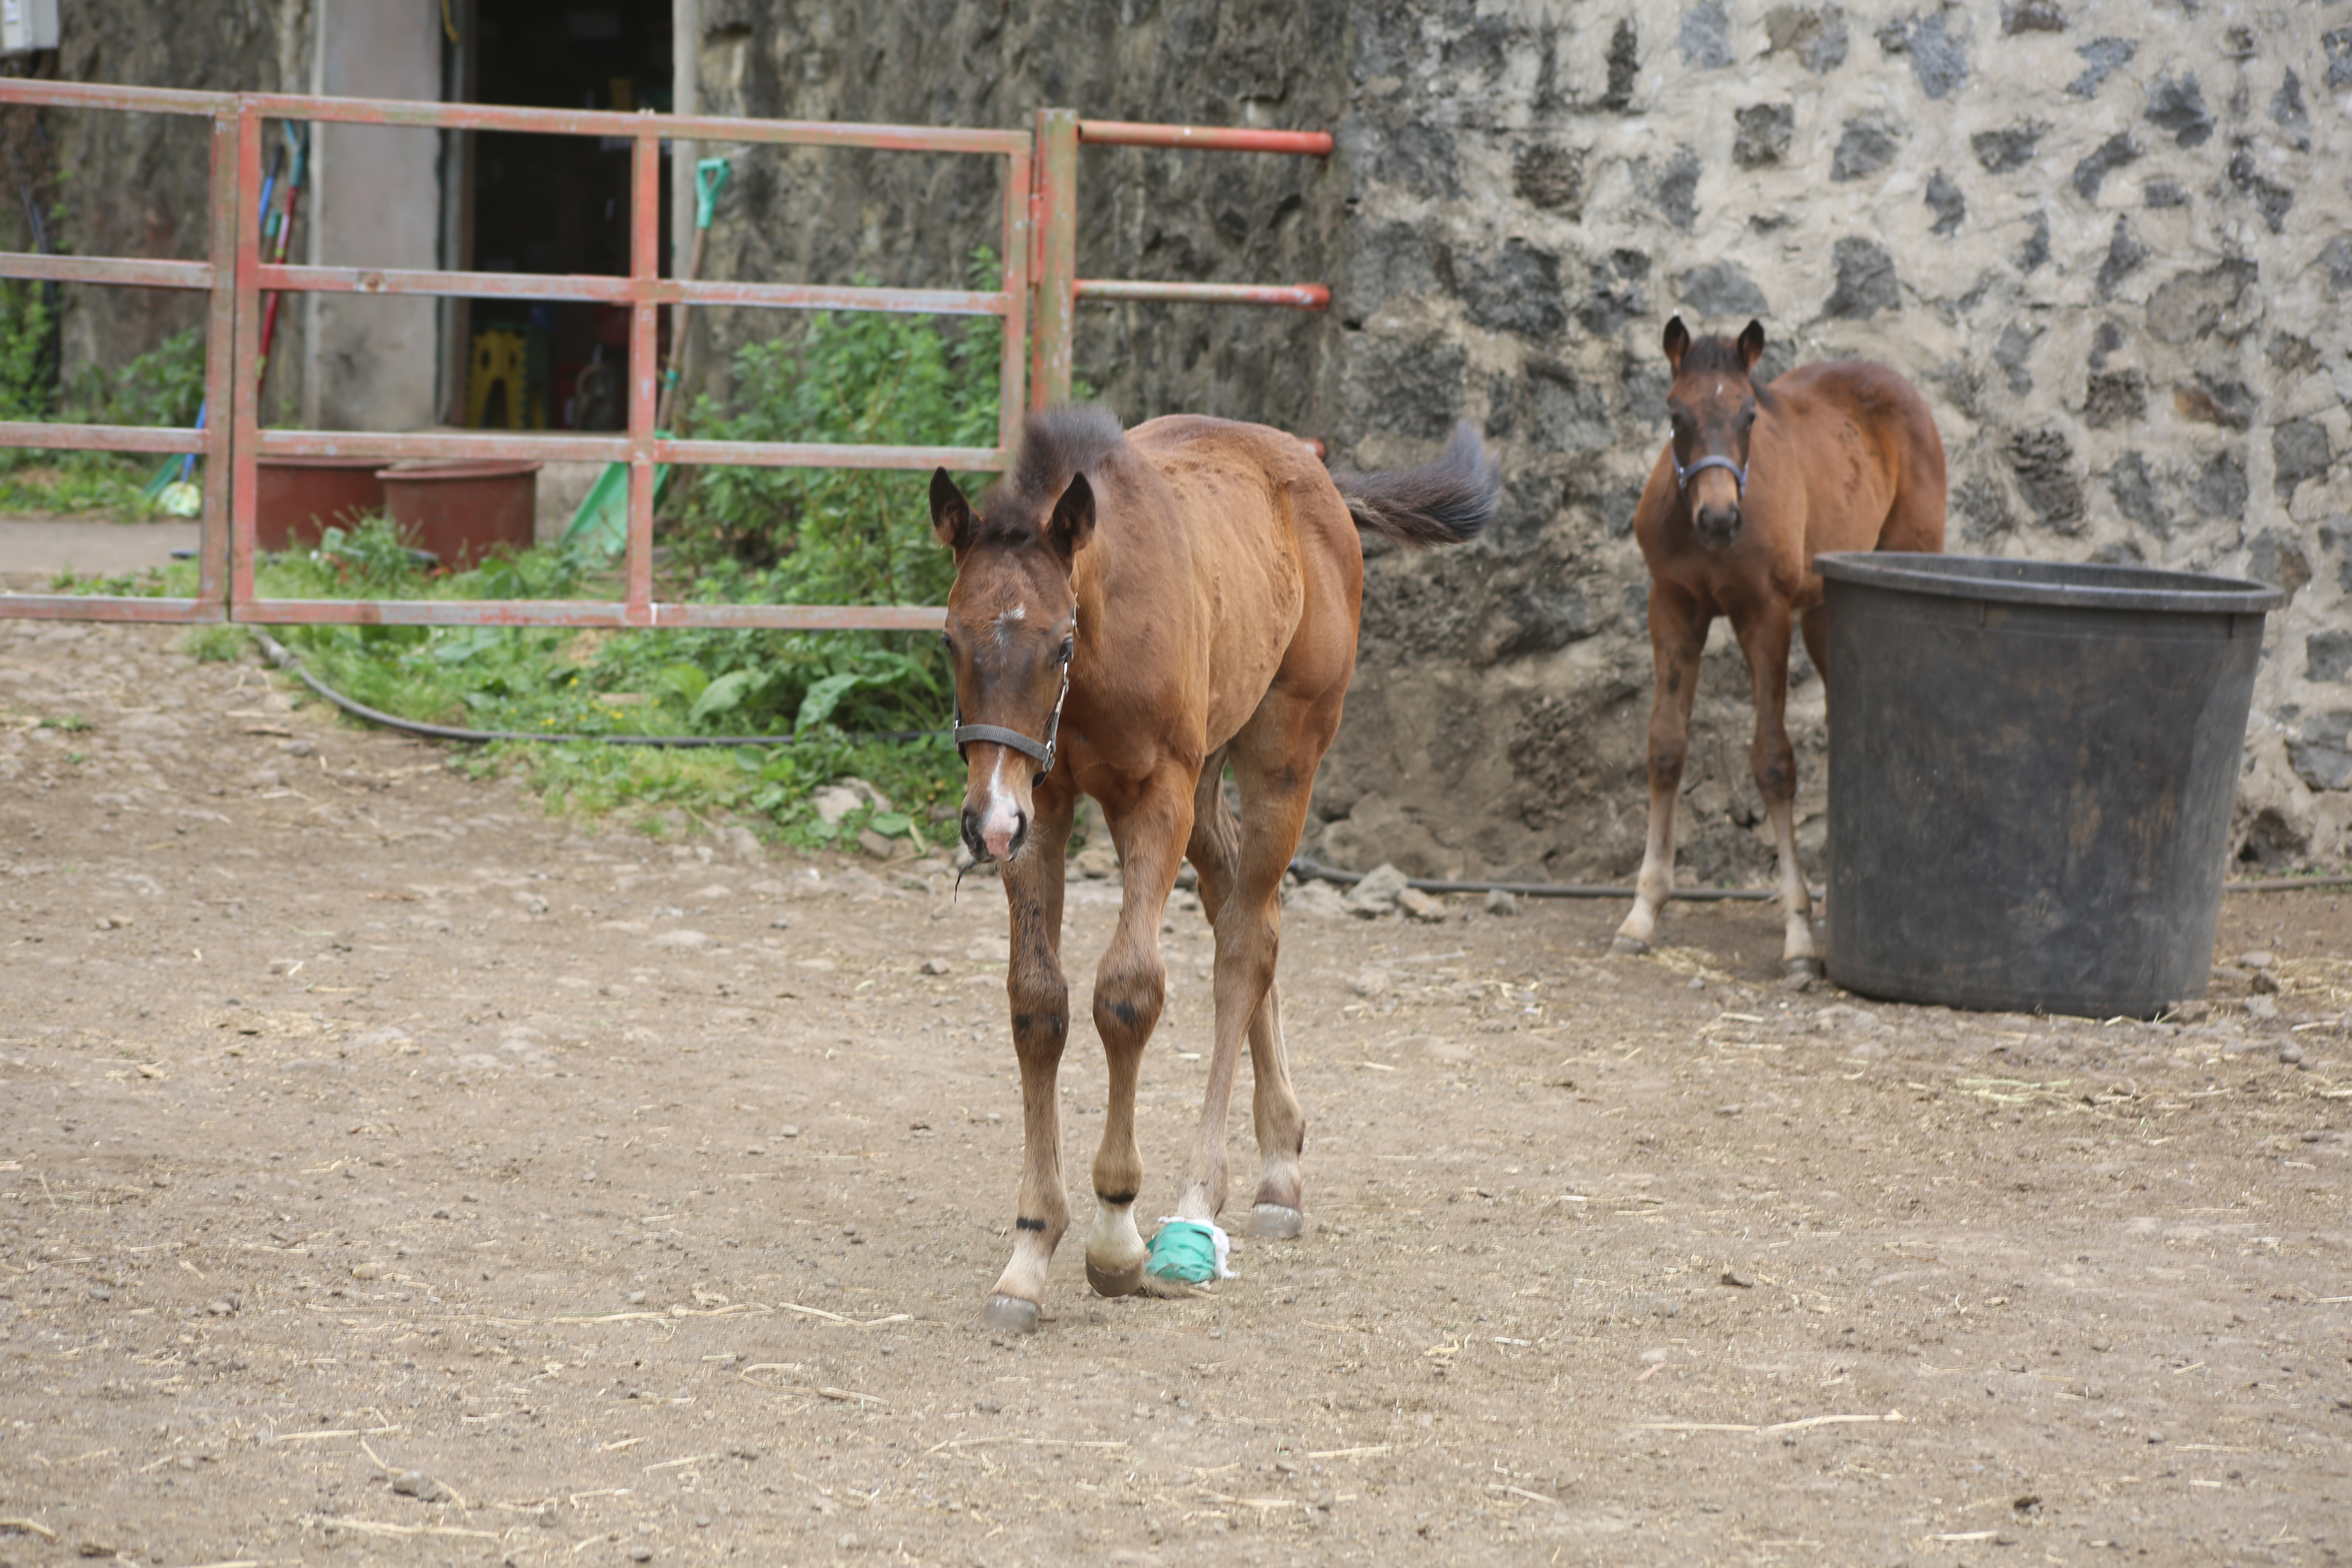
(285, 657)
(1308, 871)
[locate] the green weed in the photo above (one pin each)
(162, 386)
(215, 644)
(736, 535)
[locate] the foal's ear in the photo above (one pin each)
(1677, 339)
(1072, 522)
(1751, 344)
(951, 513)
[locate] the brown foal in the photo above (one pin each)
(1133, 613)
(1754, 483)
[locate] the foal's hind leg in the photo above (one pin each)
(1215, 853)
(1815, 625)
(1764, 637)
(1274, 758)
(1677, 638)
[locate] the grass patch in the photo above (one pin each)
(735, 536)
(215, 645)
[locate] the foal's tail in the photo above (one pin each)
(1444, 503)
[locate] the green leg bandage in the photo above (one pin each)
(1189, 1251)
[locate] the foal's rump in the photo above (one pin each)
(1873, 460)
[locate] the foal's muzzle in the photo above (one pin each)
(975, 839)
(1716, 525)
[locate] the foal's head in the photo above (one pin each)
(1012, 633)
(1712, 405)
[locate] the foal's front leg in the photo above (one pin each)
(1764, 638)
(1677, 638)
(1041, 1026)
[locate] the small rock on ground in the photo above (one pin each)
(1377, 894)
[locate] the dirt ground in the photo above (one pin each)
(388, 1172)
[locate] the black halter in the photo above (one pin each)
(996, 734)
(1683, 476)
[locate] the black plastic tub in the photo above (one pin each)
(2031, 768)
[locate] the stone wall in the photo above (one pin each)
(915, 219)
(2103, 238)
(2107, 238)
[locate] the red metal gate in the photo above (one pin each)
(216, 277)
(1035, 305)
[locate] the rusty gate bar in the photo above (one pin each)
(645, 371)
(1057, 287)
(1297, 296)
(1205, 138)
(641, 447)
(602, 289)
(1020, 225)
(212, 277)
(1054, 274)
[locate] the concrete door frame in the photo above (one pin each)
(375, 200)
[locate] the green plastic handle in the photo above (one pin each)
(709, 179)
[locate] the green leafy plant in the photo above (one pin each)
(27, 387)
(164, 385)
(739, 535)
(840, 535)
(215, 644)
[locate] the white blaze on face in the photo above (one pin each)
(1000, 818)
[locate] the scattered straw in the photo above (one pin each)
(338, 1432)
(1892, 1415)
(1028, 1442)
(370, 1527)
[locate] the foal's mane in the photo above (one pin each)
(1056, 443)
(1713, 353)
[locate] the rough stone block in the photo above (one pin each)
(1867, 283)
(1865, 147)
(2327, 656)
(1762, 138)
(2299, 451)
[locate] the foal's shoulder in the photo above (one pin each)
(1807, 388)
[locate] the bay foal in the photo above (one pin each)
(1133, 613)
(1755, 481)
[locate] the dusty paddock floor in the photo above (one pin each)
(390, 1173)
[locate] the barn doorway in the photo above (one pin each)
(547, 205)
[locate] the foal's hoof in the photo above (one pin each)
(1106, 1282)
(1274, 1222)
(1629, 947)
(1800, 973)
(1009, 1315)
